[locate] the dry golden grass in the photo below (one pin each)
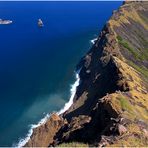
(135, 105)
(124, 18)
(73, 144)
(133, 138)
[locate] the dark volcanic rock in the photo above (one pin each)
(110, 103)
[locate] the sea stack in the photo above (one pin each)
(40, 23)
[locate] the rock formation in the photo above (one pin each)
(111, 103)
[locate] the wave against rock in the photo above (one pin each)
(110, 105)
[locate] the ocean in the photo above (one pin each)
(37, 64)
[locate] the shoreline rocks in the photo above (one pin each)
(106, 106)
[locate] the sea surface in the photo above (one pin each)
(37, 64)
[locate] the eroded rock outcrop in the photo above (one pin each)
(43, 135)
(110, 105)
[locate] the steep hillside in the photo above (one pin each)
(111, 103)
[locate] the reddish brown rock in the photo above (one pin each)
(103, 104)
(43, 135)
(121, 129)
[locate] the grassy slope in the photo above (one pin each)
(133, 105)
(130, 27)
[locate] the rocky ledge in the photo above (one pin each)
(110, 104)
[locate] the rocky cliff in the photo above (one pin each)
(111, 103)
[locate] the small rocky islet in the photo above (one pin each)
(110, 106)
(5, 22)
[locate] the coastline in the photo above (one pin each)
(102, 119)
(93, 40)
(24, 140)
(73, 91)
(52, 82)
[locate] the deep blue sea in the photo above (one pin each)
(37, 64)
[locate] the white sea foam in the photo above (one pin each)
(93, 40)
(73, 91)
(23, 141)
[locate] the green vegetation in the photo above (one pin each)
(127, 46)
(144, 41)
(142, 55)
(139, 55)
(119, 38)
(143, 70)
(125, 104)
(73, 144)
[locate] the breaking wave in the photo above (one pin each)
(93, 40)
(23, 141)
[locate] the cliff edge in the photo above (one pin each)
(111, 103)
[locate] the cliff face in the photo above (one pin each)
(110, 105)
(44, 134)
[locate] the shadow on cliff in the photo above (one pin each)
(99, 76)
(89, 118)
